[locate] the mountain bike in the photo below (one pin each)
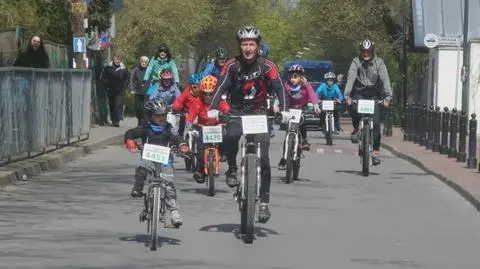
(293, 144)
(212, 137)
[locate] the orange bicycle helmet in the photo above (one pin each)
(208, 84)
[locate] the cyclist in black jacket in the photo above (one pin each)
(246, 79)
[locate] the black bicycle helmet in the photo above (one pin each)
(221, 53)
(156, 106)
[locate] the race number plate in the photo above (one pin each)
(296, 114)
(172, 119)
(254, 124)
(212, 134)
(156, 153)
(327, 105)
(366, 106)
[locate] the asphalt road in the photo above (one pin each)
(399, 217)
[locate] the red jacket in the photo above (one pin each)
(184, 101)
(200, 109)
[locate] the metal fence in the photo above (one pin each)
(41, 108)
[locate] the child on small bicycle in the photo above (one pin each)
(200, 108)
(330, 91)
(300, 93)
(166, 89)
(185, 100)
(159, 132)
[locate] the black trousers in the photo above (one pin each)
(115, 102)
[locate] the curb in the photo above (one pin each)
(459, 189)
(13, 173)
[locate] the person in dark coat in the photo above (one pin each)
(139, 88)
(34, 56)
(116, 78)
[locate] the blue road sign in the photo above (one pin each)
(88, 2)
(79, 45)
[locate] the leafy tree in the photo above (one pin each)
(99, 14)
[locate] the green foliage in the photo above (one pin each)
(100, 12)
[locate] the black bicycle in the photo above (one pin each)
(366, 109)
(248, 191)
(293, 144)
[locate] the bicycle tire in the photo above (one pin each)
(194, 155)
(365, 149)
(289, 160)
(188, 162)
(329, 133)
(251, 193)
(211, 173)
(155, 218)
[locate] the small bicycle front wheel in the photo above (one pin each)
(366, 150)
(211, 173)
(155, 218)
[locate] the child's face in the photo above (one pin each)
(330, 82)
(295, 79)
(159, 119)
(207, 98)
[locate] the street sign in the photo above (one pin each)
(447, 41)
(431, 41)
(79, 45)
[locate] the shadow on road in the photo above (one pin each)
(202, 191)
(235, 230)
(355, 172)
(144, 238)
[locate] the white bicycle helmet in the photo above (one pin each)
(248, 32)
(330, 75)
(367, 45)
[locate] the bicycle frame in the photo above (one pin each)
(209, 147)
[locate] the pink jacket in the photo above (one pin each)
(301, 98)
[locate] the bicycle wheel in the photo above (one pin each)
(194, 154)
(289, 160)
(296, 162)
(328, 133)
(188, 161)
(155, 217)
(248, 216)
(211, 173)
(365, 149)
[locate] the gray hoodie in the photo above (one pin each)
(368, 79)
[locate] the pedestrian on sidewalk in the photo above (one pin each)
(139, 88)
(116, 78)
(34, 56)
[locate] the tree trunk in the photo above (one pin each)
(78, 11)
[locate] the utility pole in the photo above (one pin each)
(404, 55)
(465, 71)
(79, 8)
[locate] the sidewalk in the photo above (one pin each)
(455, 174)
(100, 137)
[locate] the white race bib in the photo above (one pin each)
(328, 105)
(155, 153)
(212, 134)
(254, 124)
(172, 119)
(296, 114)
(366, 106)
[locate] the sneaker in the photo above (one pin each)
(281, 164)
(199, 177)
(263, 213)
(231, 177)
(375, 159)
(354, 136)
(176, 218)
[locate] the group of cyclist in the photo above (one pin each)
(240, 86)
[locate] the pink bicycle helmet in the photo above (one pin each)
(296, 69)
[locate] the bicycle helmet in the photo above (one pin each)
(264, 49)
(248, 32)
(195, 79)
(367, 45)
(208, 84)
(330, 75)
(166, 74)
(156, 106)
(221, 53)
(296, 69)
